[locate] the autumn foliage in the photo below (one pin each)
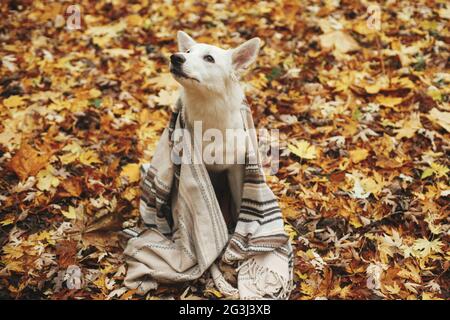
(364, 121)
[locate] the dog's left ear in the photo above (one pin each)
(245, 54)
(185, 42)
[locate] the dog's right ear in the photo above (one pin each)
(185, 42)
(245, 54)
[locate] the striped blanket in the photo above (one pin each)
(183, 233)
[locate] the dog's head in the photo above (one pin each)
(205, 67)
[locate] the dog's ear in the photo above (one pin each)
(245, 54)
(185, 42)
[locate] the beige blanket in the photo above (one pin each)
(184, 234)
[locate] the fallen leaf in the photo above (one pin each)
(89, 157)
(303, 149)
(423, 247)
(70, 214)
(131, 172)
(73, 186)
(339, 40)
(13, 102)
(409, 127)
(388, 101)
(435, 169)
(46, 180)
(358, 155)
(441, 118)
(29, 161)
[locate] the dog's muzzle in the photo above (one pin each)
(176, 66)
(177, 60)
(176, 63)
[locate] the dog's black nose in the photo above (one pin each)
(177, 59)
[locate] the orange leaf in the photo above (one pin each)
(29, 161)
(72, 186)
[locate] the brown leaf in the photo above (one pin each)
(73, 186)
(29, 161)
(66, 251)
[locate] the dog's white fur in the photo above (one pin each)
(211, 93)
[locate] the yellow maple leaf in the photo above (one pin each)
(344, 82)
(291, 212)
(441, 118)
(409, 127)
(260, 81)
(130, 193)
(403, 82)
(434, 93)
(131, 172)
(68, 158)
(89, 157)
(101, 35)
(437, 169)
(7, 221)
(358, 155)
(134, 20)
(12, 251)
(302, 276)
(46, 179)
(100, 282)
(394, 289)
(306, 289)
(373, 184)
(13, 101)
(291, 232)
(362, 27)
(215, 292)
(303, 149)
(389, 101)
(74, 151)
(95, 93)
(47, 236)
(430, 296)
(355, 222)
(345, 291)
(118, 52)
(380, 84)
(72, 212)
(422, 248)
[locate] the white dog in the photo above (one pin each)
(211, 94)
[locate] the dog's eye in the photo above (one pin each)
(208, 58)
(188, 51)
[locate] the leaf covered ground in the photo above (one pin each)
(364, 121)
